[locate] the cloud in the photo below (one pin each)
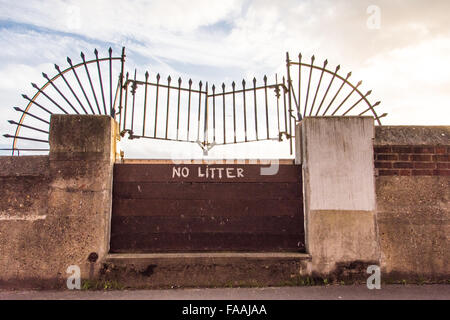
(405, 62)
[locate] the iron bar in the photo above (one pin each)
(90, 82)
(357, 102)
(233, 85)
(100, 80)
(214, 112)
(126, 104)
(189, 110)
(178, 105)
(337, 93)
(145, 103)
(348, 96)
(245, 109)
(25, 138)
(79, 83)
(318, 86)
(199, 107)
(31, 115)
(328, 88)
(267, 106)
(289, 81)
(285, 111)
(224, 118)
(122, 65)
(205, 133)
(168, 102)
(156, 104)
(54, 102)
(256, 108)
(309, 84)
(60, 93)
(277, 94)
(70, 88)
(299, 82)
(27, 126)
(111, 110)
(34, 102)
(133, 92)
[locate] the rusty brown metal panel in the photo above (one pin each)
(278, 225)
(197, 242)
(199, 191)
(212, 207)
(156, 212)
(203, 173)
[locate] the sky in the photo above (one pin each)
(400, 49)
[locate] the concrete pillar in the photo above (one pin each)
(339, 191)
(82, 152)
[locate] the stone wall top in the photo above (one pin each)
(412, 135)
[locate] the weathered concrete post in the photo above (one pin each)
(82, 154)
(339, 191)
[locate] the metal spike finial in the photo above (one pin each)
(34, 85)
(69, 61)
(200, 84)
(233, 84)
(243, 82)
(96, 52)
(368, 93)
(265, 79)
(359, 83)
(45, 75)
(179, 80)
(146, 75)
(223, 85)
(300, 56)
(377, 103)
(11, 121)
(190, 82)
(25, 96)
(82, 55)
(158, 77)
(57, 68)
(325, 63)
(349, 74)
(169, 79)
(110, 51)
(254, 80)
(17, 108)
(313, 58)
(213, 87)
(338, 67)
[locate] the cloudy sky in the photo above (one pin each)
(401, 50)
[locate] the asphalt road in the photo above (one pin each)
(332, 292)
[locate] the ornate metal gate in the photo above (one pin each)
(176, 110)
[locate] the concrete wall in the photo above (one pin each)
(339, 190)
(55, 210)
(413, 201)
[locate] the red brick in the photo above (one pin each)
(442, 172)
(402, 149)
(418, 172)
(441, 150)
(403, 165)
(404, 157)
(382, 149)
(388, 172)
(405, 172)
(441, 157)
(425, 165)
(421, 157)
(387, 157)
(423, 149)
(443, 165)
(386, 165)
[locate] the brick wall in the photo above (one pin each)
(401, 160)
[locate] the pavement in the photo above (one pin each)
(331, 292)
